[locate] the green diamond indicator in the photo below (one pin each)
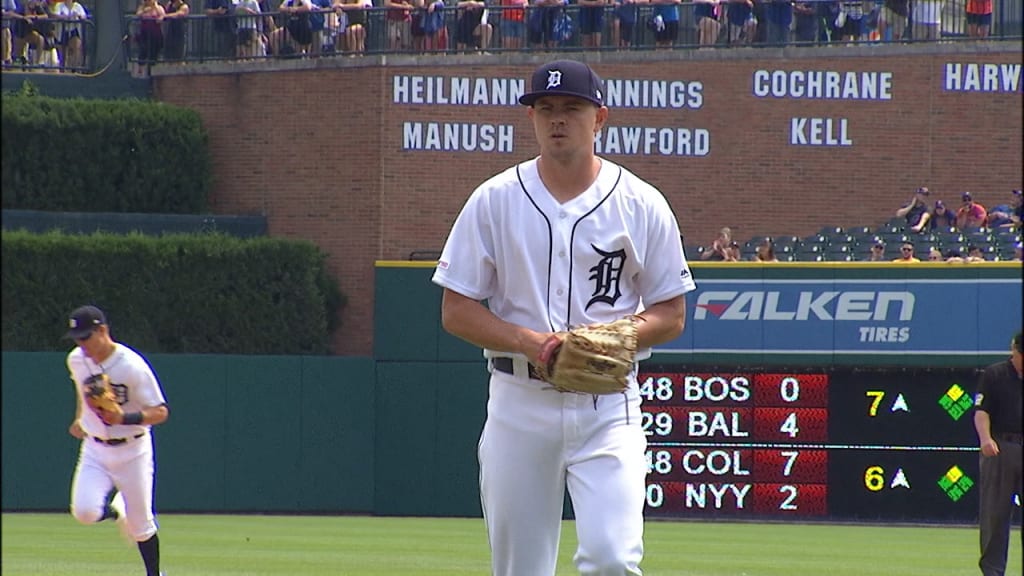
(956, 402)
(955, 484)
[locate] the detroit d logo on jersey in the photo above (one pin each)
(120, 392)
(606, 275)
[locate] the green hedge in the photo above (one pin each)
(177, 294)
(81, 155)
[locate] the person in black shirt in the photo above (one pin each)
(916, 211)
(997, 419)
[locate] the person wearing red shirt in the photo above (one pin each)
(979, 18)
(971, 214)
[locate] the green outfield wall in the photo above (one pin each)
(395, 434)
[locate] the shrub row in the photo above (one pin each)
(81, 155)
(206, 293)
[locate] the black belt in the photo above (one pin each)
(117, 441)
(1015, 437)
(505, 365)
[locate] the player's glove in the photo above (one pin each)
(100, 397)
(593, 359)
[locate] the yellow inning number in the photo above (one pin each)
(876, 399)
(873, 479)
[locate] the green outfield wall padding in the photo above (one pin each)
(407, 318)
(38, 454)
(246, 433)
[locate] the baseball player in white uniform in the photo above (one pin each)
(558, 241)
(116, 454)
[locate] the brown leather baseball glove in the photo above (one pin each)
(593, 359)
(100, 397)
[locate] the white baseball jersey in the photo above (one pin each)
(550, 266)
(133, 381)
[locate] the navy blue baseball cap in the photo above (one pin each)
(565, 78)
(83, 321)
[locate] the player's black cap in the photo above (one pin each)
(83, 321)
(565, 78)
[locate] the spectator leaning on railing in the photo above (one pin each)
(150, 36)
(705, 13)
(779, 14)
(591, 16)
(806, 21)
(742, 23)
(399, 17)
(473, 32)
(513, 24)
(892, 22)
(175, 14)
(355, 33)
(250, 40)
(665, 22)
(220, 28)
(72, 33)
(12, 18)
(927, 19)
(979, 17)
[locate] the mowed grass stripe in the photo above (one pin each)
(226, 545)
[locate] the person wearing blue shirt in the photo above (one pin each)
(780, 16)
(665, 22)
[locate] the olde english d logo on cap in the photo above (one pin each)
(554, 79)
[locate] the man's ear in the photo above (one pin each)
(602, 117)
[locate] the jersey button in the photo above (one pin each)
(560, 292)
(562, 215)
(562, 253)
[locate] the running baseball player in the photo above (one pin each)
(560, 241)
(119, 400)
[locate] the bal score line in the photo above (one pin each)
(760, 407)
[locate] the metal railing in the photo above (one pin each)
(46, 44)
(49, 44)
(448, 29)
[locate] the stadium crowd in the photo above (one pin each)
(50, 34)
(921, 228)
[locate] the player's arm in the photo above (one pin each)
(662, 322)
(473, 322)
(149, 416)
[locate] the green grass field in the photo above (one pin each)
(55, 545)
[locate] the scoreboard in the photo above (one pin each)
(836, 444)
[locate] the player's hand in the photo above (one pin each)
(989, 447)
(111, 418)
(534, 347)
(76, 430)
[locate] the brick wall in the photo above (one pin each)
(327, 149)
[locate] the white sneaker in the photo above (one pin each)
(117, 505)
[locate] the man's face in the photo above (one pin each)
(566, 125)
(877, 250)
(95, 343)
(907, 251)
